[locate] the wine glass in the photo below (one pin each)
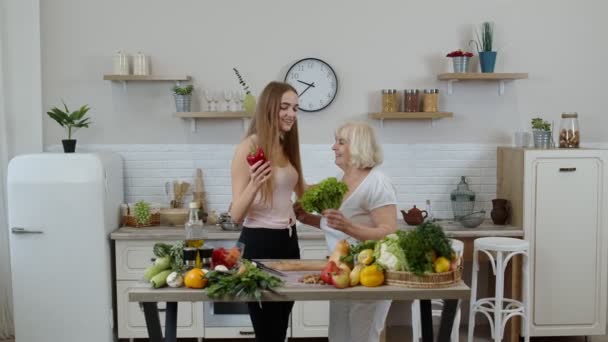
(238, 105)
(209, 98)
(228, 98)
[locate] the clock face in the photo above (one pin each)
(315, 81)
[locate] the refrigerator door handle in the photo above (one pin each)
(19, 230)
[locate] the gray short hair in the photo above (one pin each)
(364, 149)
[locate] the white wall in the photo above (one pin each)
(20, 20)
(371, 44)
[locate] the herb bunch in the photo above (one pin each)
(424, 243)
(241, 81)
(246, 283)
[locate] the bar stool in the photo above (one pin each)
(498, 309)
(458, 247)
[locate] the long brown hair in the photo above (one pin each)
(265, 124)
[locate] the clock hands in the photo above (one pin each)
(309, 85)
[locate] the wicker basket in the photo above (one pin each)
(425, 281)
(131, 221)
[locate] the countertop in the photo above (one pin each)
(305, 232)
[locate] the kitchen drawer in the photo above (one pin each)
(133, 257)
(132, 324)
(230, 332)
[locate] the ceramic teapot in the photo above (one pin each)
(414, 216)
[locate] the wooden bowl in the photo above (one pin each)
(174, 216)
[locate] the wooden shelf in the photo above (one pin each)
(146, 78)
(213, 115)
(410, 115)
(480, 76)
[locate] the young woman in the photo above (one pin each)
(368, 212)
(262, 192)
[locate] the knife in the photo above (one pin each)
(268, 269)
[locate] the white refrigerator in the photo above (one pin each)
(61, 210)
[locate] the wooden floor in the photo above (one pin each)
(397, 334)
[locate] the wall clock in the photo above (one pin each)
(315, 81)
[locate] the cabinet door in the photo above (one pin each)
(132, 323)
(311, 319)
(568, 289)
(133, 257)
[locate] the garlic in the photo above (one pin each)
(175, 279)
(221, 268)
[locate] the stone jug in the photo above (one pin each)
(500, 211)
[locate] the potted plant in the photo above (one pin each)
(183, 97)
(249, 101)
(541, 130)
(485, 43)
(71, 121)
(460, 60)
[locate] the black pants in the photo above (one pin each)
(270, 321)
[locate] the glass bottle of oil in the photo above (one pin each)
(195, 232)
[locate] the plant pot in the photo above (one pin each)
(542, 139)
(460, 64)
(69, 145)
(487, 61)
(183, 102)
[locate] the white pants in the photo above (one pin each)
(357, 321)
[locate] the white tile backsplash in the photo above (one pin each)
(419, 171)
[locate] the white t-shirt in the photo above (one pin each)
(375, 191)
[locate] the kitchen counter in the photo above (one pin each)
(305, 232)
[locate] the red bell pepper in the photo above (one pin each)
(256, 155)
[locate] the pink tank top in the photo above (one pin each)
(279, 214)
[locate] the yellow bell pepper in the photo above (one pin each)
(372, 276)
(366, 257)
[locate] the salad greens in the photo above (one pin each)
(327, 194)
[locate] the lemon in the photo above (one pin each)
(442, 264)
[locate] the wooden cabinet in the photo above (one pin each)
(559, 197)
(132, 258)
(311, 318)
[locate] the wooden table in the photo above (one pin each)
(149, 298)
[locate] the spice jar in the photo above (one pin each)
(410, 103)
(395, 101)
(569, 132)
(429, 101)
(386, 100)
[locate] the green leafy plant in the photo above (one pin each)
(141, 211)
(187, 90)
(541, 125)
(325, 195)
(241, 81)
(248, 282)
(174, 253)
(422, 244)
(485, 37)
(70, 120)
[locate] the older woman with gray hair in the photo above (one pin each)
(368, 212)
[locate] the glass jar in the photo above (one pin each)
(463, 199)
(569, 132)
(395, 101)
(386, 100)
(410, 103)
(427, 101)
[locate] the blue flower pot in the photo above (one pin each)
(487, 60)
